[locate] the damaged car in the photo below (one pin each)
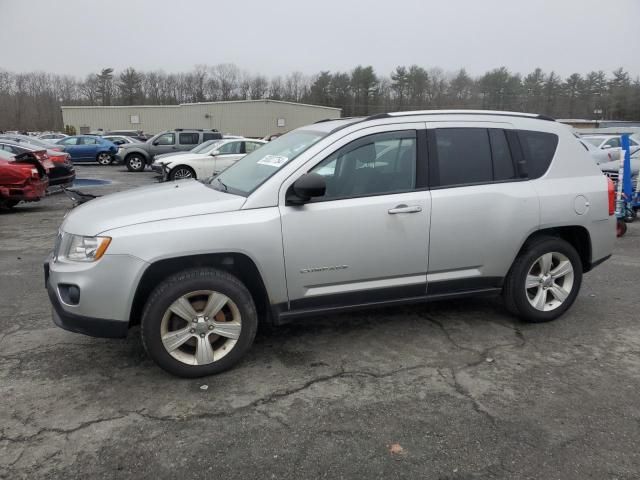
(23, 178)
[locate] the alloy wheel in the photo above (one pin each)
(104, 159)
(200, 327)
(549, 281)
(182, 173)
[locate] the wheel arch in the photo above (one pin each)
(237, 264)
(184, 165)
(142, 153)
(577, 235)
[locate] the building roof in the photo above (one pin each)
(200, 103)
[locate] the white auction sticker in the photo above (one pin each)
(273, 161)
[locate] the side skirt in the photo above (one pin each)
(385, 298)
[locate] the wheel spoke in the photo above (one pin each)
(562, 269)
(227, 329)
(204, 351)
(182, 307)
(540, 299)
(214, 304)
(173, 340)
(532, 281)
(545, 263)
(560, 293)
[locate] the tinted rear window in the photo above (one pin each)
(189, 138)
(211, 136)
(464, 156)
(538, 149)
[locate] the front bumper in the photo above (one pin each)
(106, 290)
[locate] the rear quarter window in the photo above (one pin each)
(538, 149)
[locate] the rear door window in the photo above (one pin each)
(538, 149)
(189, 138)
(210, 136)
(503, 167)
(463, 156)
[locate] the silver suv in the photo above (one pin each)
(341, 214)
(136, 156)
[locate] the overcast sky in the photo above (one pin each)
(280, 36)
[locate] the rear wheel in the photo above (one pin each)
(135, 162)
(104, 158)
(8, 203)
(182, 172)
(199, 322)
(544, 280)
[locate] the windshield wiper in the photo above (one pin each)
(223, 185)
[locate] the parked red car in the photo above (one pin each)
(61, 171)
(22, 178)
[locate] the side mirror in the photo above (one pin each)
(305, 188)
(215, 153)
(606, 147)
(155, 143)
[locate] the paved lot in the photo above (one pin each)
(452, 390)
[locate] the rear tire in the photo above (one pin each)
(544, 280)
(135, 162)
(189, 348)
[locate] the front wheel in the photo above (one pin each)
(104, 158)
(199, 322)
(135, 163)
(544, 280)
(182, 172)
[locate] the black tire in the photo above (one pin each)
(135, 162)
(182, 283)
(173, 174)
(101, 158)
(8, 203)
(514, 291)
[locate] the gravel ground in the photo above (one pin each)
(449, 390)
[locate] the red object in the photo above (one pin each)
(612, 196)
(22, 180)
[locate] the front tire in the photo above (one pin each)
(182, 172)
(135, 162)
(104, 159)
(199, 322)
(544, 280)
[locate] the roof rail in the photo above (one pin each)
(463, 112)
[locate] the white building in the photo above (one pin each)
(251, 118)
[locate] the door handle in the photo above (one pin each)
(404, 209)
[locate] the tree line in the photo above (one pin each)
(31, 101)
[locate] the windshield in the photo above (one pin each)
(255, 168)
(203, 147)
(595, 141)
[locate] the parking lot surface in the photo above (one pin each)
(449, 390)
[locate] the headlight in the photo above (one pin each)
(86, 249)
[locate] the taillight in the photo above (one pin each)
(612, 196)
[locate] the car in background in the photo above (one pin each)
(136, 134)
(52, 137)
(31, 140)
(612, 169)
(61, 169)
(598, 155)
(89, 148)
(208, 163)
(606, 142)
(23, 178)
(137, 156)
(120, 139)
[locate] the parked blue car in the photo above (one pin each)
(89, 148)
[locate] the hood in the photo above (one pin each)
(148, 204)
(184, 157)
(170, 154)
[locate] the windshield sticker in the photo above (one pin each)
(273, 161)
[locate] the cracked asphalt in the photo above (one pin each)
(448, 390)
